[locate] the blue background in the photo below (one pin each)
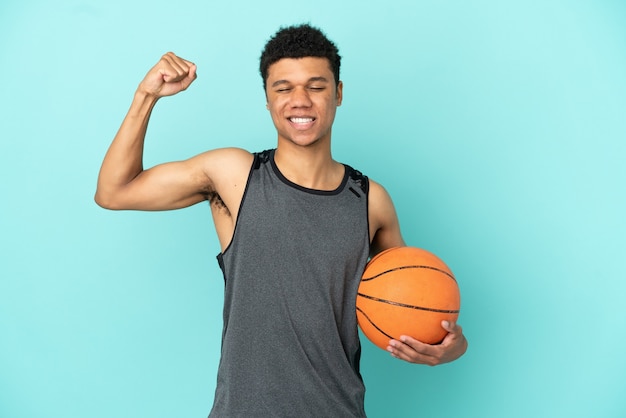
(498, 127)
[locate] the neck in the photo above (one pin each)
(309, 166)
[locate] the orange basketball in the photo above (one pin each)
(406, 291)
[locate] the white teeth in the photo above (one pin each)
(301, 120)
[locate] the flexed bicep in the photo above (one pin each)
(179, 184)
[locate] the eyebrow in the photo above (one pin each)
(311, 80)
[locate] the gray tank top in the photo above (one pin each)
(290, 346)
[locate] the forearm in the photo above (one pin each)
(124, 158)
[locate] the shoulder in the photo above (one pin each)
(219, 169)
(378, 195)
(225, 157)
(222, 164)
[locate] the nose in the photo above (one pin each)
(300, 97)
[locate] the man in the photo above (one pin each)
(295, 228)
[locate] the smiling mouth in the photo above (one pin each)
(301, 120)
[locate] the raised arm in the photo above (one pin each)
(123, 183)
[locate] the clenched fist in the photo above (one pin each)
(171, 75)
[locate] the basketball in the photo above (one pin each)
(406, 291)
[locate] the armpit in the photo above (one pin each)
(216, 201)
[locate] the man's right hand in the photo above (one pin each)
(169, 76)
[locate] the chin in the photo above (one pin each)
(306, 143)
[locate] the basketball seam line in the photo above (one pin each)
(372, 322)
(409, 267)
(404, 305)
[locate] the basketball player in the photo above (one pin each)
(295, 227)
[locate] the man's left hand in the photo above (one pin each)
(451, 348)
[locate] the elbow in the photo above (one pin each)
(105, 201)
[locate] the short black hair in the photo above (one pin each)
(299, 41)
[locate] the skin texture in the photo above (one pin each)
(302, 99)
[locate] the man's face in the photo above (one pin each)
(302, 98)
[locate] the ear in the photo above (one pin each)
(339, 93)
